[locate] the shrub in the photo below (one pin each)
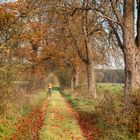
(118, 116)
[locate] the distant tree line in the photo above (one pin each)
(110, 76)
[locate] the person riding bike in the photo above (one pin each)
(50, 88)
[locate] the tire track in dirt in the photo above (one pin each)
(28, 128)
(88, 134)
(60, 122)
(87, 122)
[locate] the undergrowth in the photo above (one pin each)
(8, 123)
(117, 116)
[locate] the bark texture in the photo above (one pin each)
(89, 56)
(131, 50)
(74, 78)
(91, 79)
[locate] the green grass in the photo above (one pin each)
(80, 103)
(56, 88)
(110, 88)
(106, 109)
(60, 123)
(34, 101)
(8, 127)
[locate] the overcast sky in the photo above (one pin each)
(3, 1)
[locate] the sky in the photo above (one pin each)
(4, 1)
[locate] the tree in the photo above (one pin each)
(120, 16)
(86, 34)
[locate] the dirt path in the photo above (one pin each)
(28, 128)
(60, 121)
(55, 120)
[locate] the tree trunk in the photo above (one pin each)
(91, 79)
(89, 54)
(131, 53)
(74, 78)
(137, 66)
(72, 82)
(91, 71)
(138, 48)
(132, 70)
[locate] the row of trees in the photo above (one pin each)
(110, 76)
(78, 35)
(105, 22)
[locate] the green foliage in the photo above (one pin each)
(64, 78)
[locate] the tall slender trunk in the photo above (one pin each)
(74, 78)
(138, 47)
(72, 82)
(131, 53)
(130, 74)
(89, 54)
(77, 77)
(132, 68)
(91, 79)
(91, 71)
(137, 65)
